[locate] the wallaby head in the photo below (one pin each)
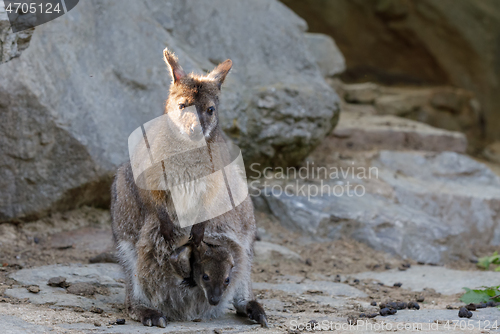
(202, 92)
(212, 266)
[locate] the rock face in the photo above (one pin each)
(69, 103)
(368, 132)
(443, 107)
(326, 53)
(416, 41)
(430, 207)
(11, 44)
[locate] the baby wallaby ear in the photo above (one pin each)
(173, 63)
(219, 73)
(180, 261)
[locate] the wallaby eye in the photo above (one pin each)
(210, 110)
(227, 280)
(205, 277)
(182, 106)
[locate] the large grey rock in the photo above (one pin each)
(461, 193)
(107, 276)
(326, 53)
(417, 41)
(443, 280)
(367, 132)
(374, 220)
(327, 288)
(70, 102)
(11, 44)
(437, 206)
(15, 325)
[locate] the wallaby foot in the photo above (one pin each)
(151, 317)
(256, 312)
(197, 233)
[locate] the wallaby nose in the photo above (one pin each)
(214, 300)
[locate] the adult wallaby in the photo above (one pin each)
(148, 241)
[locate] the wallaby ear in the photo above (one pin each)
(173, 63)
(219, 73)
(180, 261)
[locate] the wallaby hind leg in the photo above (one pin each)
(147, 316)
(245, 303)
(256, 312)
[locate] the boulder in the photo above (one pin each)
(11, 44)
(430, 207)
(356, 131)
(361, 93)
(492, 152)
(68, 105)
(452, 42)
(461, 193)
(444, 107)
(326, 54)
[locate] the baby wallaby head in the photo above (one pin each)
(193, 102)
(212, 268)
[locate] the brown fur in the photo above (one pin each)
(147, 238)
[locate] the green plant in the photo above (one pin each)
(486, 261)
(484, 295)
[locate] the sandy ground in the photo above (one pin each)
(77, 236)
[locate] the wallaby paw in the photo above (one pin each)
(256, 312)
(153, 318)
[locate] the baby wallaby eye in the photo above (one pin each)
(227, 280)
(182, 106)
(210, 110)
(205, 277)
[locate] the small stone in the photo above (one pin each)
(413, 306)
(197, 320)
(401, 305)
(313, 322)
(398, 285)
(97, 310)
(464, 313)
(449, 307)
(97, 324)
(58, 281)
(120, 321)
(34, 289)
(78, 309)
(352, 320)
(356, 281)
(387, 311)
(420, 299)
(309, 262)
(374, 303)
(471, 307)
(82, 289)
(481, 305)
